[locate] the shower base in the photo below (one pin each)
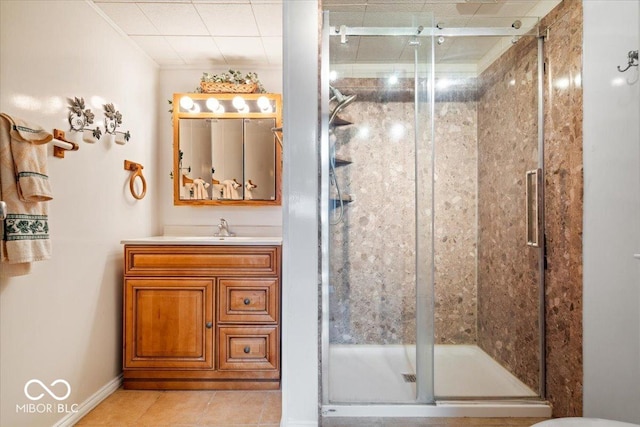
(372, 380)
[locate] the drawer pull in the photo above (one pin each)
(209, 325)
(247, 301)
(247, 349)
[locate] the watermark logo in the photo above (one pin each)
(35, 390)
(47, 389)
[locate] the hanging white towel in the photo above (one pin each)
(24, 186)
(230, 189)
(249, 186)
(234, 190)
(200, 186)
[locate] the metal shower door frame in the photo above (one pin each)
(425, 392)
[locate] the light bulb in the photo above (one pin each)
(213, 104)
(393, 79)
(186, 102)
(220, 109)
(263, 103)
(238, 103)
(333, 75)
(244, 109)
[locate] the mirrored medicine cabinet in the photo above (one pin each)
(225, 149)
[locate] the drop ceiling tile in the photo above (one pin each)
(158, 49)
(269, 18)
(341, 53)
(175, 19)
(389, 18)
(242, 50)
(228, 19)
(501, 22)
(381, 49)
(350, 19)
(345, 8)
(273, 49)
(129, 18)
(399, 4)
(195, 49)
(222, 1)
(511, 8)
(468, 49)
(452, 21)
(142, 1)
(467, 8)
(404, 7)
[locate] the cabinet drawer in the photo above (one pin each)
(189, 260)
(243, 349)
(248, 300)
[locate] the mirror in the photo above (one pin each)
(225, 149)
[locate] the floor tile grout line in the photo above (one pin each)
(206, 407)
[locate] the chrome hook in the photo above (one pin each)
(632, 60)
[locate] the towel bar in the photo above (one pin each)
(136, 168)
(60, 144)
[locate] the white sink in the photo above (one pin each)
(215, 238)
(205, 240)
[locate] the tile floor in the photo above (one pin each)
(240, 409)
(186, 408)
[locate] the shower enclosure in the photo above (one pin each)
(432, 255)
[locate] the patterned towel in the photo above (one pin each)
(24, 186)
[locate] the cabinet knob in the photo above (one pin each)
(247, 301)
(247, 349)
(209, 325)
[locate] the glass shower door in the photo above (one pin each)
(377, 158)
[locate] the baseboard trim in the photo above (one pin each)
(85, 407)
(298, 423)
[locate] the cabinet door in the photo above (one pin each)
(168, 323)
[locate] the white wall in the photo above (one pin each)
(611, 212)
(187, 80)
(63, 321)
(300, 209)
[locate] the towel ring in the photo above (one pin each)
(136, 168)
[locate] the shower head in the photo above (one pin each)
(342, 102)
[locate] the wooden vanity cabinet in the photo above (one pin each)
(201, 317)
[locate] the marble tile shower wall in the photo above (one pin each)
(508, 308)
(504, 328)
(373, 248)
(564, 207)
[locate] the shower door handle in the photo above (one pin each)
(533, 182)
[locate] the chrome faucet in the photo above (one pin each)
(223, 229)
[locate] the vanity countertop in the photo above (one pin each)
(205, 240)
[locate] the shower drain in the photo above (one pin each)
(409, 378)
